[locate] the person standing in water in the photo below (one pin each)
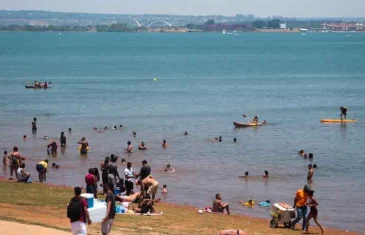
(343, 112)
(84, 145)
(310, 172)
(129, 148)
(63, 139)
(34, 125)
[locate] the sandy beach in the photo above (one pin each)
(45, 205)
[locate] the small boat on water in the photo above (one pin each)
(338, 120)
(34, 87)
(247, 124)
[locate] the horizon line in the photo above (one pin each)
(169, 14)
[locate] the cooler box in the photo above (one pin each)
(90, 199)
(98, 212)
(116, 191)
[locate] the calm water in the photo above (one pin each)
(205, 81)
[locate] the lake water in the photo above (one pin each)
(205, 82)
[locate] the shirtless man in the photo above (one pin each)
(84, 145)
(149, 183)
(310, 172)
(170, 169)
(219, 206)
(15, 161)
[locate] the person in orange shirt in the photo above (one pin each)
(300, 204)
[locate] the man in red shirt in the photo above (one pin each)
(90, 181)
(300, 204)
(78, 214)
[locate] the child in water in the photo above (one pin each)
(164, 189)
(5, 158)
(313, 213)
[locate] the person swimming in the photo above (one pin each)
(164, 144)
(220, 138)
(310, 156)
(95, 128)
(142, 146)
(266, 174)
(134, 134)
(105, 128)
(234, 140)
(301, 152)
(170, 169)
(185, 133)
(69, 129)
(24, 137)
(120, 125)
(123, 161)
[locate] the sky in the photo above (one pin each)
(261, 8)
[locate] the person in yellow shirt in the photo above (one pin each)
(300, 204)
(42, 168)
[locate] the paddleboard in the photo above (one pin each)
(339, 120)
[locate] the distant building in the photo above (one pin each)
(339, 27)
(283, 25)
(228, 27)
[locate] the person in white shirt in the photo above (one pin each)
(129, 179)
(21, 175)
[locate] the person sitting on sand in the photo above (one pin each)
(53, 147)
(266, 174)
(164, 144)
(63, 139)
(84, 145)
(164, 189)
(5, 158)
(149, 183)
(170, 169)
(22, 175)
(310, 172)
(145, 205)
(142, 146)
(219, 206)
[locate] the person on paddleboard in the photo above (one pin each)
(343, 112)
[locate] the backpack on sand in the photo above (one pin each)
(74, 210)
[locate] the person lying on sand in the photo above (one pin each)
(219, 206)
